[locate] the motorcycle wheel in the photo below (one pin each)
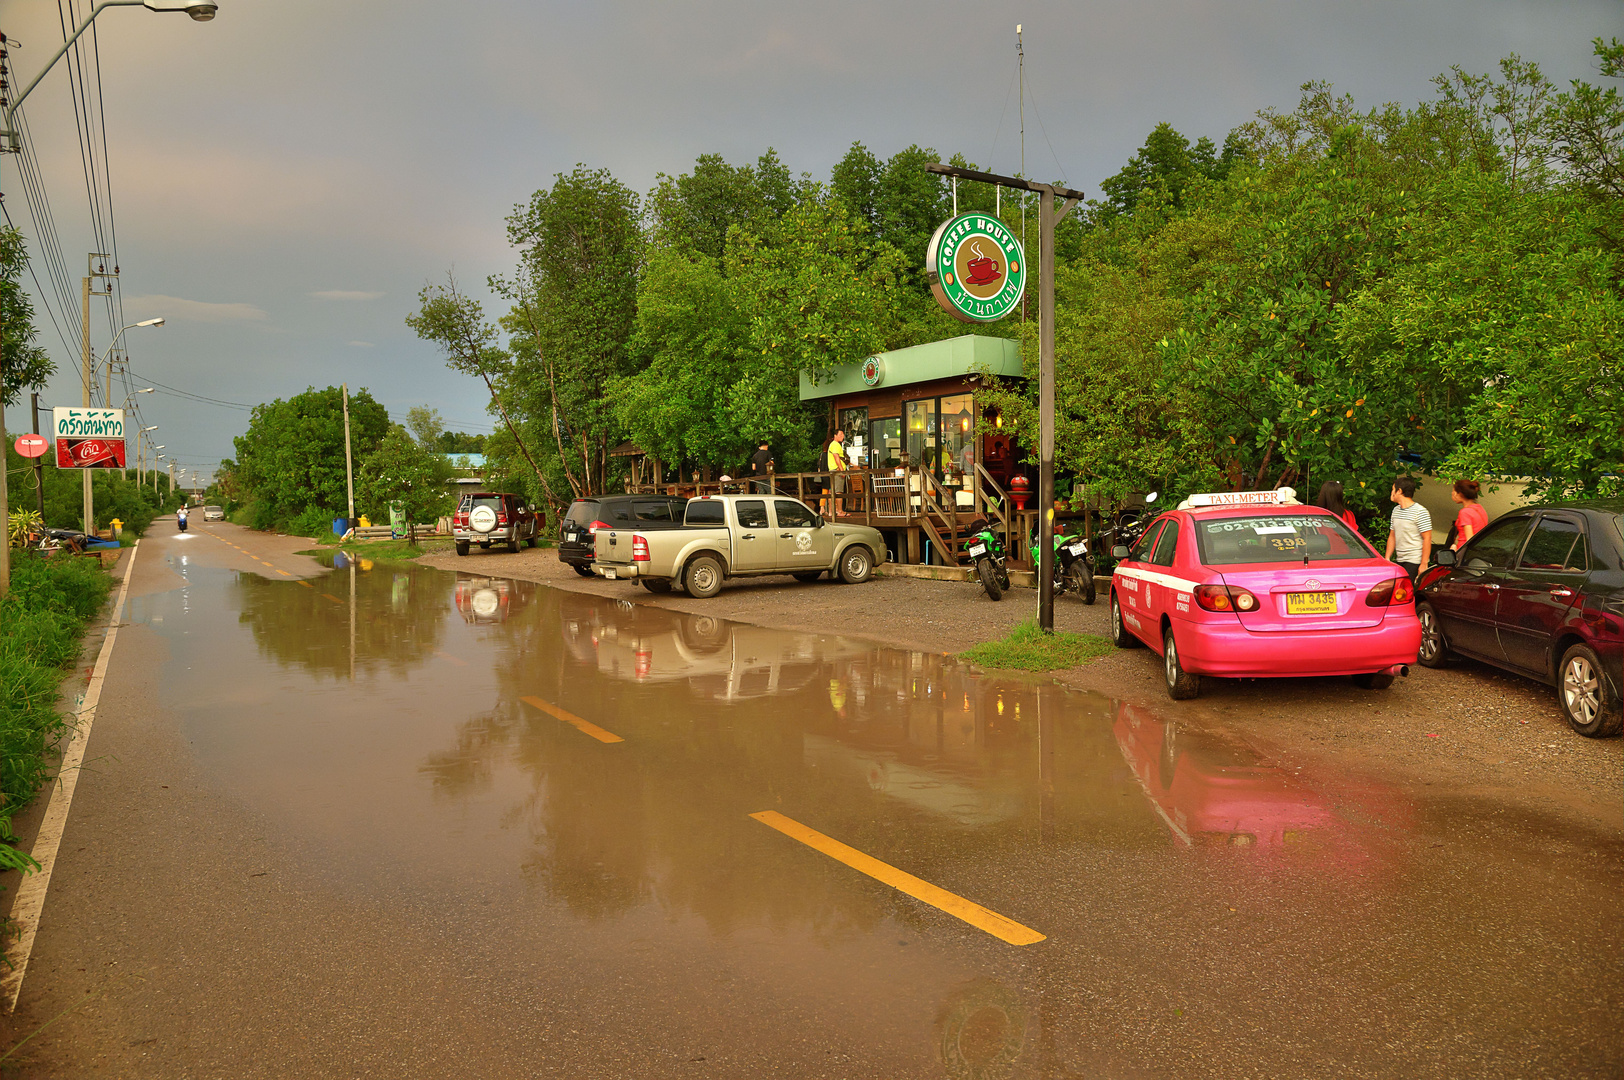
(1081, 581)
(989, 579)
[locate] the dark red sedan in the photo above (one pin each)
(1540, 592)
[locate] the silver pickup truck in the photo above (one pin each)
(727, 536)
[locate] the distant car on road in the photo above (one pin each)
(1254, 584)
(213, 513)
(1540, 592)
(586, 516)
(489, 517)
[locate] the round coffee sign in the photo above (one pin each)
(976, 267)
(873, 371)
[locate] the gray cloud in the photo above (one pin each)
(203, 311)
(346, 294)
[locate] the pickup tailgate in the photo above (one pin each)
(613, 547)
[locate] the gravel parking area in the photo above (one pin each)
(1467, 727)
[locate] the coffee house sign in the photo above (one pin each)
(976, 268)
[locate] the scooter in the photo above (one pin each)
(1073, 566)
(986, 550)
(180, 519)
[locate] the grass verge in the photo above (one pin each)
(42, 619)
(1029, 649)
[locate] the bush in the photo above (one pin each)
(41, 622)
(314, 522)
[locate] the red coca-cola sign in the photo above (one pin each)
(89, 438)
(31, 446)
(90, 453)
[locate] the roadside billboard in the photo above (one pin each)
(88, 438)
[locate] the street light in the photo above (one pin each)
(200, 11)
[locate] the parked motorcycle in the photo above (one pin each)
(986, 551)
(1073, 566)
(1130, 526)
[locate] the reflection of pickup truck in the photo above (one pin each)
(727, 536)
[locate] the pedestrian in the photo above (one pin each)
(761, 463)
(834, 454)
(1472, 518)
(1409, 539)
(1330, 497)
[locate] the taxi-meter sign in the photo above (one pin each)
(31, 446)
(89, 438)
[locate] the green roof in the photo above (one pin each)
(965, 355)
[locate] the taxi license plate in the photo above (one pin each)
(1311, 603)
(977, 550)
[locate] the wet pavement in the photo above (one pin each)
(551, 795)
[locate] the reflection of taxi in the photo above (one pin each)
(1252, 584)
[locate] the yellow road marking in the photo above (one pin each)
(1005, 929)
(284, 573)
(586, 726)
(453, 659)
(307, 584)
(331, 597)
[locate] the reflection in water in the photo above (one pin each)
(982, 1028)
(486, 600)
(386, 618)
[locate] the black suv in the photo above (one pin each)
(1540, 592)
(585, 517)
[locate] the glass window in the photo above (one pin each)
(1495, 547)
(1167, 544)
(854, 422)
(885, 441)
(619, 512)
(1277, 538)
(652, 510)
(1557, 545)
(792, 515)
(958, 434)
(752, 513)
(1140, 551)
(582, 511)
(705, 512)
(919, 418)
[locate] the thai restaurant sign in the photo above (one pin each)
(88, 438)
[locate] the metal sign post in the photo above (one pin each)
(1048, 219)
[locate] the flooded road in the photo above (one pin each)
(575, 807)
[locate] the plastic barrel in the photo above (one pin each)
(340, 526)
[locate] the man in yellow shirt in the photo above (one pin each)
(836, 464)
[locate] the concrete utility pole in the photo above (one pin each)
(89, 508)
(1048, 220)
(39, 463)
(349, 467)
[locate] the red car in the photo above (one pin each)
(1253, 584)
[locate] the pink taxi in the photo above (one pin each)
(1255, 585)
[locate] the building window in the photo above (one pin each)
(941, 434)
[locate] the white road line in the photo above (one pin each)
(31, 893)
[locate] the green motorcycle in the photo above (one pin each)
(1073, 566)
(986, 551)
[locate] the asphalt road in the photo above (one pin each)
(393, 821)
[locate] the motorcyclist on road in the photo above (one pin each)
(180, 518)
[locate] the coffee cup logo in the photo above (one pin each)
(976, 268)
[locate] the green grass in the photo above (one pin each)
(41, 621)
(1029, 649)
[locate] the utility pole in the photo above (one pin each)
(1048, 219)
(39, 463)
(349, 467)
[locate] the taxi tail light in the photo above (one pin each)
(639, 549)
(1391, 593)
(1225, 598)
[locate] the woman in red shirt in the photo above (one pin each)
(1330, 497)
(1472, 518)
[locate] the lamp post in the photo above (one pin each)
(200, 11)
(139, 460)
(90, 378)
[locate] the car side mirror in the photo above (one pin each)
(817, 521)
(1120, 551)
(1445, 557)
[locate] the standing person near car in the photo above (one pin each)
(761, 463)
(1472, 518)
(835, 457)
(1330, 497)
(1409, 540)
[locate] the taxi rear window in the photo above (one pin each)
(1277, 538)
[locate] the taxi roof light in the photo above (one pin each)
(1281, 496)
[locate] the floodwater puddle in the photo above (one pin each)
(413, 733)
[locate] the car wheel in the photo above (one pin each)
(1080, 579)
(1181, 685)
(584, 571)
(1373, 680)
(703, 579)
(1583, 692)
(855, 565)
(462, 547)
(1120, 637)
(531, 542)
(656, 585)
(812, 576)
(1434, 650)
(988, 574)
(513, 547)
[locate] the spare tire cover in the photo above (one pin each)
(483, 519)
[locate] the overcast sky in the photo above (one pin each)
(287, 177)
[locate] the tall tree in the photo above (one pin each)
(425, 425)
(403, 472)
(291, 458)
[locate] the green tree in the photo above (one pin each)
(402, 472)
(425, 425)
(291, 458)
(23, 364)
